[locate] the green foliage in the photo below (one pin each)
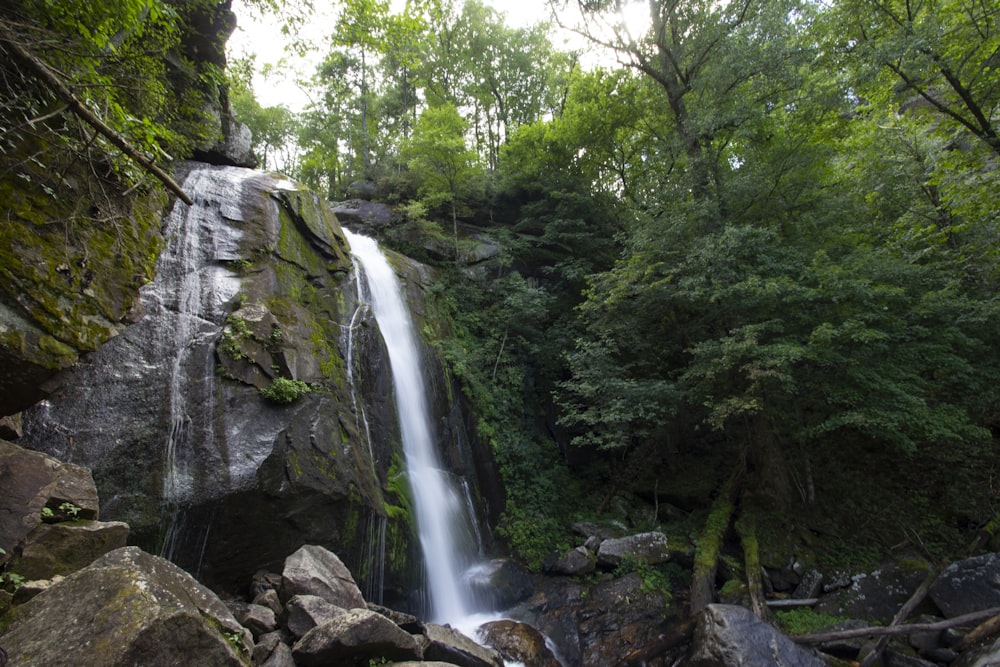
(805, 620)
(655, 579)
(284, 391)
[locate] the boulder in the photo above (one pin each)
(269, 598)
(648, 548)
(305, 612)
(30, 481)
(809, 586)
(63, 548)
(874, 596)
(442, 643)
(354, 638)
(500, 583)
(984, 656)
(575, 562)
(727, 635)
(313, 570)
(408, 622)
(267, 644)
(518, 642)
(365, 215)
(10, 427)
(968, 585)
(281, 656)
(257, 619)
(126, 608)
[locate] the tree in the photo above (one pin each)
(939, 55)
(446, 169)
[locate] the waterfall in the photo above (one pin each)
(189, 296)
(439, 505)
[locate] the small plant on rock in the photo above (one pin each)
(285, 391)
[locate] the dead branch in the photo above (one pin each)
(879, 631)
(57, 86)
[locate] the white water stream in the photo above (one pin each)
(439, 506)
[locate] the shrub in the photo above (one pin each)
(285, 391)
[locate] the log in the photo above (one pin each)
(985, 631)
(747, 530)
(706, 555)
(880, 631)
(57, 86)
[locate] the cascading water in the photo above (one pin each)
(190, 292)
(440, 507)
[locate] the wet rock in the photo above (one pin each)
(575, 562)
(968, 585)
(727, 635)
(63, 548)
(305, 612)
(313, 570)
(518, 642)
(127, 608)
(441, 643)
(648, 548)
(407, 622)
(30, 481)
(353, 639)
(500, 583)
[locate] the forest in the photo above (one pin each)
(748, 261)
(756, 258)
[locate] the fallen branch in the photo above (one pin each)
(56, 85)
(983, 632)
(879, 631)
(901, 615)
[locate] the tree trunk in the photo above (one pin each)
(746, 527)
(706, 555)
(769, 479)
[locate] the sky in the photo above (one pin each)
(263, 38)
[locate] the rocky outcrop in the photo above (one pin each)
(968, 585)
(31, 481)
(518, 642)
(727, 635)
(314, 571)
(127, 607)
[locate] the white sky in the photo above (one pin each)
(264, 39)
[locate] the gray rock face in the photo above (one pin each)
(577, 561)
(126, 608)
(968, 585)
(645, 547)
(729, 636)
(874, 596)
(30, 481)
(353, 639)
(305, 612)
(63, 548)
(313, 570)
(518, 642)
(446, 645)
(598, 624)
(256, 283)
